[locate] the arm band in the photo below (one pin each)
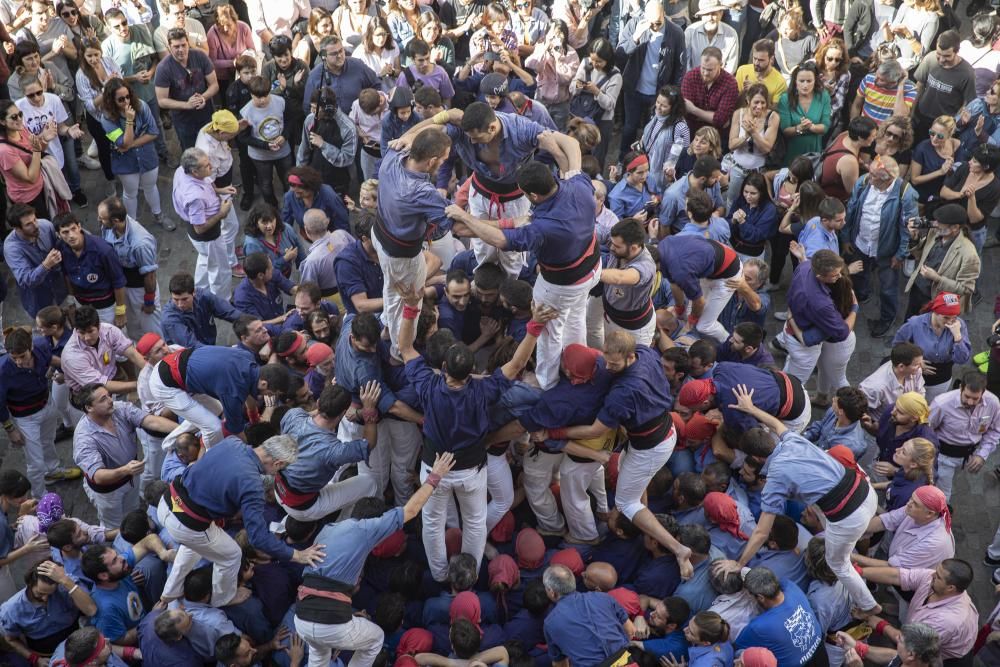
(862, 649)
(410, 312)
(880, 627)
(120, 310)
(433, 479)
(441, 118)
(535, 328)
(557, 433)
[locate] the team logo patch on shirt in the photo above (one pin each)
(92, 277)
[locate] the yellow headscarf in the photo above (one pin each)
(224, 121)
(913, 404)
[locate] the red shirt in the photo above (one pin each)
(722, 96)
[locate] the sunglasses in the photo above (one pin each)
(123, 98)
(37, 93)
(16, 116)
(936, 135)
(68, 13)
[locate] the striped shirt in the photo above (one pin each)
(879, 102)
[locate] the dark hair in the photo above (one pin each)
(260, 212)
(751, 333)
(793, 89)
(465, 638)
(417, 47)
(13, 484)
(712, 627)
(705, 166)
(948, 40)
(108, 104)
(333, 401)
(753, 91)
(853, 402)
(830, 208)
(389, 612)
(427, 96)
(705, 350)
(437, 347)
(515, 292)
(311, 179)
(784, 533)
(21, 51)
(462, 572)
(712, 52)
(699, 206)
(135, 526)
(241, 327)
(18, 212)
(92, 561)
(256, 264)
(477, 117)
(81, 644)
(974, 381)
(957, 573)
(859, 128)
(673, 95)
(536, 178)
(261, 431)
(757, 442)
(175, 34)
(276, 377)
(66, 219)
(719, 471)
(321, 315)
(815, 560)
(679, 357)
(756, 180)
(227, 646)
(630, 231)
(488, 276)
(115, 208)
(984, 30)
(988, 156)
(181, 283)
(694, 537)
(369, 507)
(18, 340)
(691, 487)
(905, 353)
(802, 169)
(678, 609)
(366, 327)
(198, 584)
(298, 531)
(430, 143)
(60, 534)
(765, 44)
(458, 361)
(86, 318)
(826, 261)
(364, 223)
(602, 48)
(259, 86)
(406, 579)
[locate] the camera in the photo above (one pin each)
(922, 222)
(994, 340)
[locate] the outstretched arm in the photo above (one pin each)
(540, 314)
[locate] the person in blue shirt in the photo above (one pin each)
(659, 575)
(88, 646)
(226, 481)
(308, 300)
(323, 614)
(260, 292)
(137, 251)
(307, 190)
(189, 317)
(266, 233)
(119, 605)
(944, 338)
(32, 257)
(787, 626)
(745, 345)
(162, 638)
(841, 425)
(820, 233)
(92, 269)
(456, 419)
(583, 628)
(631, 197)
(702, 221)
(781, 556)
(665, 620)
(697, 590)
(359, 276)
(707, 635)
(704, 176)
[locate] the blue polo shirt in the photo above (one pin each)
(196, 327)
(797, 469)
(320, 452)
(638, 394)
(354, 369)
(415, 208)
(624, 555)
(814, 236)
(20, 616)
(37, 286)
(161, 653)
(673, 208)
(353, 78)
(25, 387)
(295, 322)
(672, 644)
(790, 630)
(95, 274)
(766, 396)
(568, 404)
(585, 628)
(268, 306)
(327, 200)
(626, 200)
(357, 274)
(349, 542)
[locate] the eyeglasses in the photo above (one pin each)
(69, 12)
(37, 93)
(123, 98)
(334, 54)
(936, 135)
(118, 26)
(521, 5)
(832, 59)
(16, 116)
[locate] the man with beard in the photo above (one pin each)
(763, 71)
(33, 259)
(119, 605)
(628, 281)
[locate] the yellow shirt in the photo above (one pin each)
(774, 81)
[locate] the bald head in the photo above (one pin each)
(600, 577)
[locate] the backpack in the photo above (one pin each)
(585, 105)
(817, 159)
(411, 80)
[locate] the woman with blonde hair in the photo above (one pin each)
(227, 40)
(587, 134)
(706, 141)
(933, 159)
(895, 140)
(833, 64)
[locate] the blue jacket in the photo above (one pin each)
(899, 207)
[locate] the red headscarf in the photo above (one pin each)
(530, 549)
(846, 458)
(453, 541)
(933, 498)
(699, 429)
(503, 571)
(945, 303)
(629, 600)
(757, 656)
(721, 510)
(580, 362)
(569, 557)
(391, 546)
(695, 392)
(466, 605)
(415, 640)
(504, 530)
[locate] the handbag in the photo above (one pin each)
(585, 105)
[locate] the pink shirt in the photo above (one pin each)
(882, 388)
(82, 364)
(223, 54)
(917, 546)
(20, 192)
(956, 618)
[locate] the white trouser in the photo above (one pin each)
(107, 314)
(469, 487)
(39, 432)
(575, 479)
(212, 270)
(933, 391)
(595, 322)
(230, 230)
(993, 551)
(799, 422)
(636, 468)
(717, 295)
(500, 484)
(153, 456)
(947, 467)
(643, 336)
(539, 469)
(65, 412)
(480, 207)
(801, 360)
(137, 321)
(131, 183)
(570, 301)
(392, 459)
(213, 545)
(445, 250)
(201, 410)
(406, 271)
(831, 371)
(359, 635)
(841, 538)
(112, 507)
(334, 496)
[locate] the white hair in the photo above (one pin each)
(281, 448)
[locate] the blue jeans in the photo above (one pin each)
(161, 144)
(71, 169)
(888, 280)
(978, 237)
(637, 107)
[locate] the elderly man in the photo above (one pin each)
(884, 93)
(185, 85)
(710, 92)
(358, 274)
(583, 628)
(90, 353)
(32, 257)
(711, 31)
(106, 449)
(137, 252)
(319, 262)
(204, 206)
(189, 316)
(921, 532)
(917, 644)
(940, 600)
(946, 260)
(226, 481)
(875, 233)
(27, 414)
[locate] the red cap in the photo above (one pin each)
(147, 342)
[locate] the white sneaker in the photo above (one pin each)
(88, 162)
(781, 315)
(92, 150)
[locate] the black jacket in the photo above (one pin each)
(673, 63)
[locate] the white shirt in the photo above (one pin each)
(871, 218)
(736, 609)
(36, 118)
(133, 14)
(220, 155)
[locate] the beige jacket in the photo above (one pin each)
(959, 268)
